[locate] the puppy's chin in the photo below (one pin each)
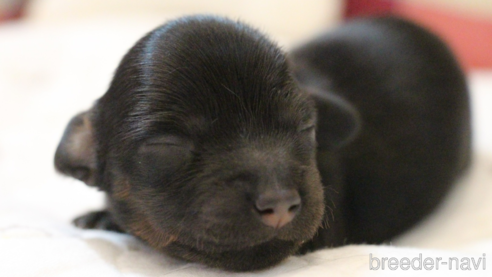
(246, 254)
(255, 257)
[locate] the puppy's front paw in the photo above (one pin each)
(101, 220)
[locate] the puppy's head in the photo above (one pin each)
(204, 145)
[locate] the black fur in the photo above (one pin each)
(204, 114)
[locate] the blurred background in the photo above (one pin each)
(465, 24)
(58, 56)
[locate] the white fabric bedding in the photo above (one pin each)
(50, 72)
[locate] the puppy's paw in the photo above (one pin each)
(101, 220)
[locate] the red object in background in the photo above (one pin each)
(12, 9)
(468, 36)
(354, 8)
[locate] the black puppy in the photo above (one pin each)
(213, 148)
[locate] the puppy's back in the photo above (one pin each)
(415, 121)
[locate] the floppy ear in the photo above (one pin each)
(338, 122)
(76, 155)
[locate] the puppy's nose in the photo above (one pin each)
(278, 207)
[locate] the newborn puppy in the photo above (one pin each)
(213, 148)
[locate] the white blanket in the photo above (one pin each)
(49, 72)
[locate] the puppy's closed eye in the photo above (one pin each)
(307, 133)
(309, 130)
(162, 156)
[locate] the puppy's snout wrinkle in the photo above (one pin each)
(278, 207)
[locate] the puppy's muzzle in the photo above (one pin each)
(278, 207)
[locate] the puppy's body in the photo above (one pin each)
(413, 104)
(205, 119)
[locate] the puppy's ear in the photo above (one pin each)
(76, 155)
(338, 122)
